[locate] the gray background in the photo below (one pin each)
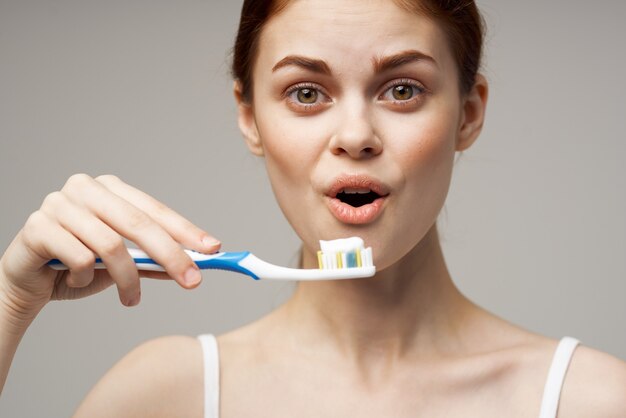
(533, 229)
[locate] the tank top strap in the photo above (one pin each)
(211, 375)
(556, 377)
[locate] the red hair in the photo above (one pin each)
(460, 20)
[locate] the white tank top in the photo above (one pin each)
(549, 402)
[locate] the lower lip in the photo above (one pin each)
(356, 216)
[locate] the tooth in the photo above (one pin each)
(353, 191)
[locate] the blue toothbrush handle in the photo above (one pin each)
(227, 261)
(221, 261)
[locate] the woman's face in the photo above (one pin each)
(352, 96)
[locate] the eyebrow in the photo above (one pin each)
(380, 64)
(311, 64)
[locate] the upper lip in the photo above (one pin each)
(364, 181)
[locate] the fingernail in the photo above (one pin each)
(192, 276)
(210, 242)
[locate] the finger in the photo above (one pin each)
(49, 240)
(134, 224)
(101, 280)
(176, 225)
(101, 239)
(156, 275)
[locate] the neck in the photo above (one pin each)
(411, 308)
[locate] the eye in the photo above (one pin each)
(306, 95)
(402, 92)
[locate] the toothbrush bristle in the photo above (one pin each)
(342, 260)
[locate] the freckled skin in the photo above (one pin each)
(417, 146)
(406, 342)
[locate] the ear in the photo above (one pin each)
(473, 113)
(247, 122)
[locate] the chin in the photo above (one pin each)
(387, 247)
(391, 246)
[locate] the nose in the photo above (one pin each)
(355, 135)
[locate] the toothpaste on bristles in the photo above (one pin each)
(344, 253)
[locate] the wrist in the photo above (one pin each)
(15, 315)
(14, 319)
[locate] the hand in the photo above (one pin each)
(90, 217)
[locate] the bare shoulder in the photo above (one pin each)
(595, 386)
(161, 377)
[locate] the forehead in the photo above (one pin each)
(349, 32)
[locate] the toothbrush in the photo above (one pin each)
(339, 259)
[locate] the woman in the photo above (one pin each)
(336, 96)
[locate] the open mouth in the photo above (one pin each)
(357, 197)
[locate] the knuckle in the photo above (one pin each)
(186, 261)
(169, 261)
(83, 261)
(176, 259)
(161, 208)
(53, 200)
(34, 222)
(77, 181)
(36, 219)
(184, 226)
(139, 220)
(111, 246)
(188, 226)
(107, 178)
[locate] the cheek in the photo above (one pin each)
(430, 161)
(290, 156)
(431, 170)
(285, 154)
(292, 144)
(424, 147)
